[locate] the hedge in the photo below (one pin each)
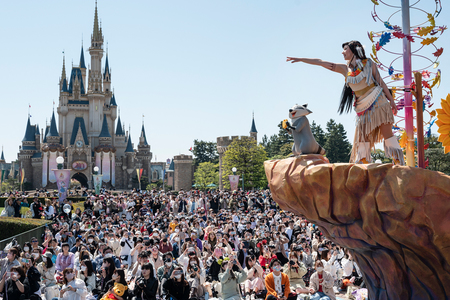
(13, 226)
(42, 199)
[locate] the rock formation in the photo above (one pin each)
(395, 220)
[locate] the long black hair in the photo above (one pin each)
(347, 93)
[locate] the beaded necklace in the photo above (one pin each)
(357, 70)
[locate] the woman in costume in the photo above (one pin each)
(374, 105)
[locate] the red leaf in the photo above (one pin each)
(410, 38)
(378, 47)
(398, 34)
(438, 52)
(425, 84)
(426, 146)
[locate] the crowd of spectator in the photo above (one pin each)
(186, 245)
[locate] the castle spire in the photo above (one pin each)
(82, 64)
(143, 138)
(253, 129)
(119, 130)
(63, 75)
(29, 132)
(53, 129)
(129, 144)
(2, 158)
(96, 33)
(105, 130)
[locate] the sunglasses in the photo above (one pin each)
(34, 241)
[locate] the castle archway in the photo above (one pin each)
(82, 179)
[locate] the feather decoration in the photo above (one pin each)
(370, 34)
(385, 37)
(437, 80)
(438, 52)
(398, 34)
(429, 41)
(391, 70)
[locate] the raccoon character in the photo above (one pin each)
(304, 141)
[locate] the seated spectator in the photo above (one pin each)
(277, 283)
(231, 279)
(65, 259)
(295, 270)
(17, 286)
(177, 286)
(10, 261)
(73, 288)
(87, 274)
(146, 285)
(254, 284)
(321, 284)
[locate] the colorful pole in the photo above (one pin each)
(409, 126)
(419, 115)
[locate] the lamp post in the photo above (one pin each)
(234, 180)
(62, 178)
(97, 180)
(234, 170)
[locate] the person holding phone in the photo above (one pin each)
(177, 286)
(10, 261)
(230, 279)
(16, 283)
(73, 288)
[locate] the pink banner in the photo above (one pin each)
(106, 167)
(113, 169)
(44, 169)
(51, 166)
(234, 182)
(63, 182)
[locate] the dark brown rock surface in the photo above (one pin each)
(396, 220)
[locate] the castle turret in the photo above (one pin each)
(2, 157)
(53, 135)
(83, 65)
(107, 77)
(96, 52)
(253, 131)
(105, 137)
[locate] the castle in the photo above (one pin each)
(222, 146)
(86, 133)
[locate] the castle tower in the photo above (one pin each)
(2, 157)
(50, 151)
(253, 131)
(105, 154)
(144, 155)
(128, 164)
(107, 77)
(120, 142)
(82, 65)
(183, 172)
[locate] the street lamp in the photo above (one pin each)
(60, 162)
(96, 169)
(234, 170)
(97, 180)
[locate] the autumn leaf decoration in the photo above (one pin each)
(443, 123)
(429, 41)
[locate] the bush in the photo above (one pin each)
(13, 226)
(42, 199)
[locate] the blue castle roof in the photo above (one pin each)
(78, 123)
(105, 130)
(82, 64)
(53, 131)
(129, 145)
(119, 130)
(113, 101)
(29, 132)
(76, 73)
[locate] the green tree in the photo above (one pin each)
(379, 154)
(248, 158)
(437, 160)
(205, 174)
(205, 152)
(278, 145)
(318, 133)
(337, 146)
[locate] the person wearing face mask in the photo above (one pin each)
(165, 272)
(47, 269)
(321, 284)
(9, 261)
(165, 246)
(127, 245)
(73, 288)
(27, 250)
(146, 285)
(118, 277)
(37, 255)
(87, 274)
(177, 286)
(295, 270)
(231, 279)
(277, 283)
(15, 286)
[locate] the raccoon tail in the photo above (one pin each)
(321, 151)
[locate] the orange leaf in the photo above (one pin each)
(429, 41)
(425, 30)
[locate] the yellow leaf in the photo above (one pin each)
(433, 113)
(436, 64)
(429, 41)
(374, 58)
(444, 129)
(442, 137)
(444, 118)
(437, 80)
(446, 141)
(374, 50)
(414, 105)
(425, 30)
(446, 107)
(375, 2)
(371, 36)
(403, 140)
(431, 19)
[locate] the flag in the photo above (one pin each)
(139, 174)
(21, 175)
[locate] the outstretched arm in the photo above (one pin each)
(338, 68)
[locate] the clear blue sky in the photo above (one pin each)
(196, 69)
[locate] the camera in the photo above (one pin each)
(291, 262)
(140, 283)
